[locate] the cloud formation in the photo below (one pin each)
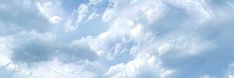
(116, 39)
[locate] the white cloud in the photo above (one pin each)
(77, 50)
(176, 41)
(17, 16)
(196, 9)
(32, 47)
(5, 44)
(52, 69)
(144, 65)
(51, 9)
(57, 69)
(140, 10)
(142, 39)
(230, 71)
(206, 76)
(81, 15)
(128, 70)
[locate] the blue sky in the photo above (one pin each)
(116, 39)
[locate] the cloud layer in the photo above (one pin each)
(116, 39)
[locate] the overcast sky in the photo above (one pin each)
(116, 38)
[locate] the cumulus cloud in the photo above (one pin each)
(22, 15)
(32, 47)
(116, 39)
(143, 66)
(78, 50)
(57, 69)
(83, 14)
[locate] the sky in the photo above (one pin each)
(116, 39)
